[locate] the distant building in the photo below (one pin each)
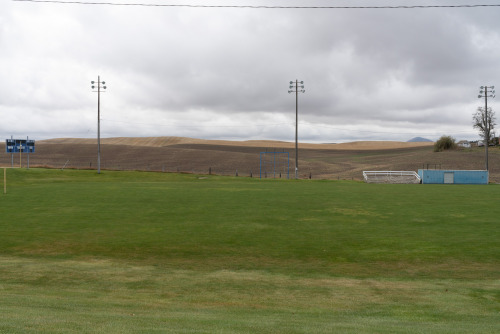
(464, 143)
(475, 143)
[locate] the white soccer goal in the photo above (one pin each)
(391, 177)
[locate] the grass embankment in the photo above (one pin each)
(150, 252)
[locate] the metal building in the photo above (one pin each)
(436, 176)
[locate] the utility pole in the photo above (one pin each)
(98, 85)
(484, 92)
(295, 88)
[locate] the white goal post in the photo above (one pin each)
(391, 177)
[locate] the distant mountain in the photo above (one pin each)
(418, 139)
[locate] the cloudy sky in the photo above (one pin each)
(224, 73)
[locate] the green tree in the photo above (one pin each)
(445, 143)
(485, 123)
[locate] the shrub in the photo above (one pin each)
(445, 143)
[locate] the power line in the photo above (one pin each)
(256, 7)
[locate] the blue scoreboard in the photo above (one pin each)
(19, 146)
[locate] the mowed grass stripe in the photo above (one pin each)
(66, 296)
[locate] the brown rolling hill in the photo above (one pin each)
(169, 141)
(318, 161)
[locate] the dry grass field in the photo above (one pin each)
(318, 161)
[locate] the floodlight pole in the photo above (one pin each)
(483, 92)
(295, 88)
(98, 120)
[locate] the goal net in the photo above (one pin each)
(391, 177)
(275, 165)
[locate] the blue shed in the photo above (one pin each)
(437, 176)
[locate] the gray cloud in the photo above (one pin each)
(224, 73)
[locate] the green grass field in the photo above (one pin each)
(137, 252)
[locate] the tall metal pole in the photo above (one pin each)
(98, 125)
(294, 87)
(296, 130)
(98, 120)
(487, 133)
(12, 154)
(28, 151)
(491, 93)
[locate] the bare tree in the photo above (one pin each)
(485, 123)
